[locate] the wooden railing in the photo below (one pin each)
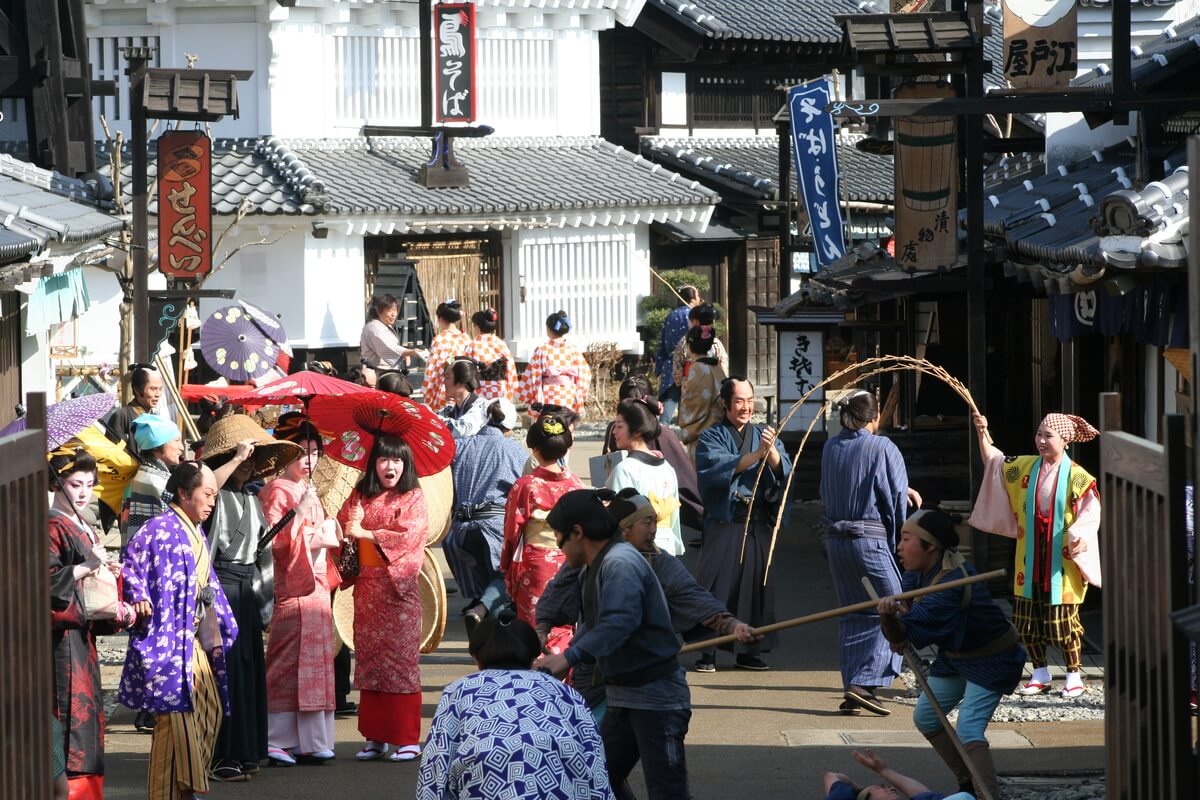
(1148, 735)
(25, 651)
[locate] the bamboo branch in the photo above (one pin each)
(669, 286)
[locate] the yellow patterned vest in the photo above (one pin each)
(1067, 585)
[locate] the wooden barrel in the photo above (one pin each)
(925, 153)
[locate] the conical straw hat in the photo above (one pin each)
(343, 614)
(270, 455)
(433, 603)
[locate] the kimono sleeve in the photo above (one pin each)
(937, 618)
(290, 547)
(64, 604)
(1086, 527)
(530, 390)
(404, 535)
(516, 515)
(583, 381)
(562, 600)
(716, 459)
(138, 566)
(441, 748)
(993, 512)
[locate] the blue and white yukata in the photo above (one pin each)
(864, 487)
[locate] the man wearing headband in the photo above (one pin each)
(980, 657)
(630, 640)
(840, 787)
(1050, 505)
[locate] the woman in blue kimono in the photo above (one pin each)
(864, 487)
(728, 456)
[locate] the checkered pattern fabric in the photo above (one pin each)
(1040, 623)
(558, 374)
(1070, 427)
(487, 349)
(447, 345)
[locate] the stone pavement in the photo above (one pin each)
(771, 734)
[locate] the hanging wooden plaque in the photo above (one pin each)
(1041, 43)
(926, 184)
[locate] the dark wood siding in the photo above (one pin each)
(627, 87)
(10, 355)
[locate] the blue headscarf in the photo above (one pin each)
(151, 431)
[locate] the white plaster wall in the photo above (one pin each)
(596, 275)
(335, 290)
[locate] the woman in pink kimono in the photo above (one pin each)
(300, 685)
(386, 515)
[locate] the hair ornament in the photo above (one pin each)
(552, 426)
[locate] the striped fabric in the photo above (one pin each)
(183, 742)
(866, 657)
(1040, 623)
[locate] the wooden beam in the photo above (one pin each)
(1025, 104)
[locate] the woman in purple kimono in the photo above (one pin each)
(175, 665)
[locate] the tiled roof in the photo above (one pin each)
(751, 165)
(1077, 224)
(38, 205)
(1175, 49)
(801, 21)
(357, 177)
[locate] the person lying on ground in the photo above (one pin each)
(840, 787)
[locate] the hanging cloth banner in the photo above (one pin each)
(814, 145)
(1041, 43)
(184, 205)
(926, 184)
(454, 83)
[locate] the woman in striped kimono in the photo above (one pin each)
(864, 486)
(175, 664)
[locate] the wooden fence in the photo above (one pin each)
(1148, 736)
(26, 702)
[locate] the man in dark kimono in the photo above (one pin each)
(728, 456)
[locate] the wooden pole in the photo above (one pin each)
(669, 286)
(837, 612)
(910, 658)
(169, 382)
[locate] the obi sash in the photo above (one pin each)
(555, 376)
(1057, 526)
(495, 371)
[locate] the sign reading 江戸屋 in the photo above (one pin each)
(1041, 43)
(454, 83)
(184, 204)
(814, 144)
(926, 171)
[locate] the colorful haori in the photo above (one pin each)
(1050, 505)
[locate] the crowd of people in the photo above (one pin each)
(574, 599)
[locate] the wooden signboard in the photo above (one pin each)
(454, 29)
(184, 204)
(926, 184)
(1041, 43)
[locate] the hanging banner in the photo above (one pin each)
(184, 205)
(926, 184)
(1041, 43)
(454, 79)
(814, 146)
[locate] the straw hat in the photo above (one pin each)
(433, 608)
(433, 603)
(270, 455)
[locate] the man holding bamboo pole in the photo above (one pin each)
(979, 659)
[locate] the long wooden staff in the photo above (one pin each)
(910, 658)
(669, 286)
(704, 644)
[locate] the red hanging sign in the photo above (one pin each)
(454, 74)
(184, 204)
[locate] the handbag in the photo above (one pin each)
(347, 560)
(99, 595)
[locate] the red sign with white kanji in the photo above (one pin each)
(454, 62)
(184, 204)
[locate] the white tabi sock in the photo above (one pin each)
(1074, 680)
(1041, 675)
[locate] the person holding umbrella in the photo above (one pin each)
(386, 516)
(239, 451)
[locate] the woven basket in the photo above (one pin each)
(433, 608)
(439, 502)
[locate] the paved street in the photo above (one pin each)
(750, 732)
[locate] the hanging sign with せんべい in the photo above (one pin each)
(184, 204)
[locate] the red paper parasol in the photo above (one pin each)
(356, 419)
(303, 386)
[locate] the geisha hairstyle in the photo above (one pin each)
(858, 409)
(388, 446)
(450, 311)
(700, 339)
(64, 464)
(549, 435)
(558, 323)
(637, 387)
(640, 418)
(487, 320)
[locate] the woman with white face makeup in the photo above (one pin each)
(386, 515)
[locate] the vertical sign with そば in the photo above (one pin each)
(454, 83)
(184, 205)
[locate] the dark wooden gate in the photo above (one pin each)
(25, 657)
(1148, 735)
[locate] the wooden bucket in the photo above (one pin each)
(925, 153)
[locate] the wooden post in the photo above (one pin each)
(138, 58)
(425, 48)
(1193, 152)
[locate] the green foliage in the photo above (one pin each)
(655, 307)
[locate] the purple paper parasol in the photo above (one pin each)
(66, 419)
(241, 342)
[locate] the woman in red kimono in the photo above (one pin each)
(76, 552)
(386, 515)
(530, 556)
(300, 687)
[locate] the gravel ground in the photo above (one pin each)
(1038, 708)
(1053, 788)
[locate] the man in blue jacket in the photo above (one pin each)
(631, 642)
